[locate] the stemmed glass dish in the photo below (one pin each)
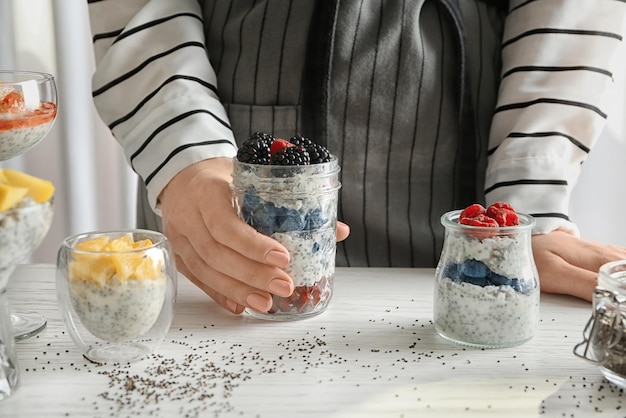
(22, 228)
(28, 108)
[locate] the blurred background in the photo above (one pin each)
(95, 188)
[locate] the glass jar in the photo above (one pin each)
(604, 341)
(486, 284)
(297, 206)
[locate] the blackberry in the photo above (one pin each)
(297, 155)
(256, 149)
(263, 136)
(301, 140)
(318, 154)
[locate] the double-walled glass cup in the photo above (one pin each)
(116, 291)
(486, 284)
(297, 206)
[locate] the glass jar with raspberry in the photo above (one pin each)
(486, 282)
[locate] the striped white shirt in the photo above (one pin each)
(158, 92)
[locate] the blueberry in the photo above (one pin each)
(289, 220)
(452, 271)
(474, 272)
(516, 284)
(498, 279)
(478, 281)
(522, 286)
(315, 219)
(474, 268)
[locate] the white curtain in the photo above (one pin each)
(95, 189)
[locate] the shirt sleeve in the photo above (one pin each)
(557, 79)
(155, 88)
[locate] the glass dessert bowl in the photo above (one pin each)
(116, 292)
(28, 108)
(22, 228)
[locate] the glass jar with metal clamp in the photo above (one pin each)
(604, 335)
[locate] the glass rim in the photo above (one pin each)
(333, 163)
(450, 220)
(34, 75)
(608, 269)
(71, 241)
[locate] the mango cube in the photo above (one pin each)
(39, 189)
(10, 196)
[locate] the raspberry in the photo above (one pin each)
(472, 211)
(479, 220)
(502, 205)
(280, 143)
(503, 213)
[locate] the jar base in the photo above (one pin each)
(27, 324)
(482, 344)
(613, 377)
(283, 316)
(118, 353)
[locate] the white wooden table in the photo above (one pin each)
(373, 353)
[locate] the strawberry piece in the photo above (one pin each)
(11, 102)
(472, 211)
(280, 143)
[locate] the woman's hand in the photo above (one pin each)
(230, 261)
(569, 265)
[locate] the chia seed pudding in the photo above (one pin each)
(16, 140)
(486, 290)
(117, 290)
(297, 206)
(22, 228)
(118, 310)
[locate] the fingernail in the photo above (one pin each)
(277, 258)
(232, 306)
(258, 302)
(280, 287)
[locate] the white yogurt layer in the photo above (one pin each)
(120, 310)
(312, 255)
(490, 315)
(502, 255)
(15, 141)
